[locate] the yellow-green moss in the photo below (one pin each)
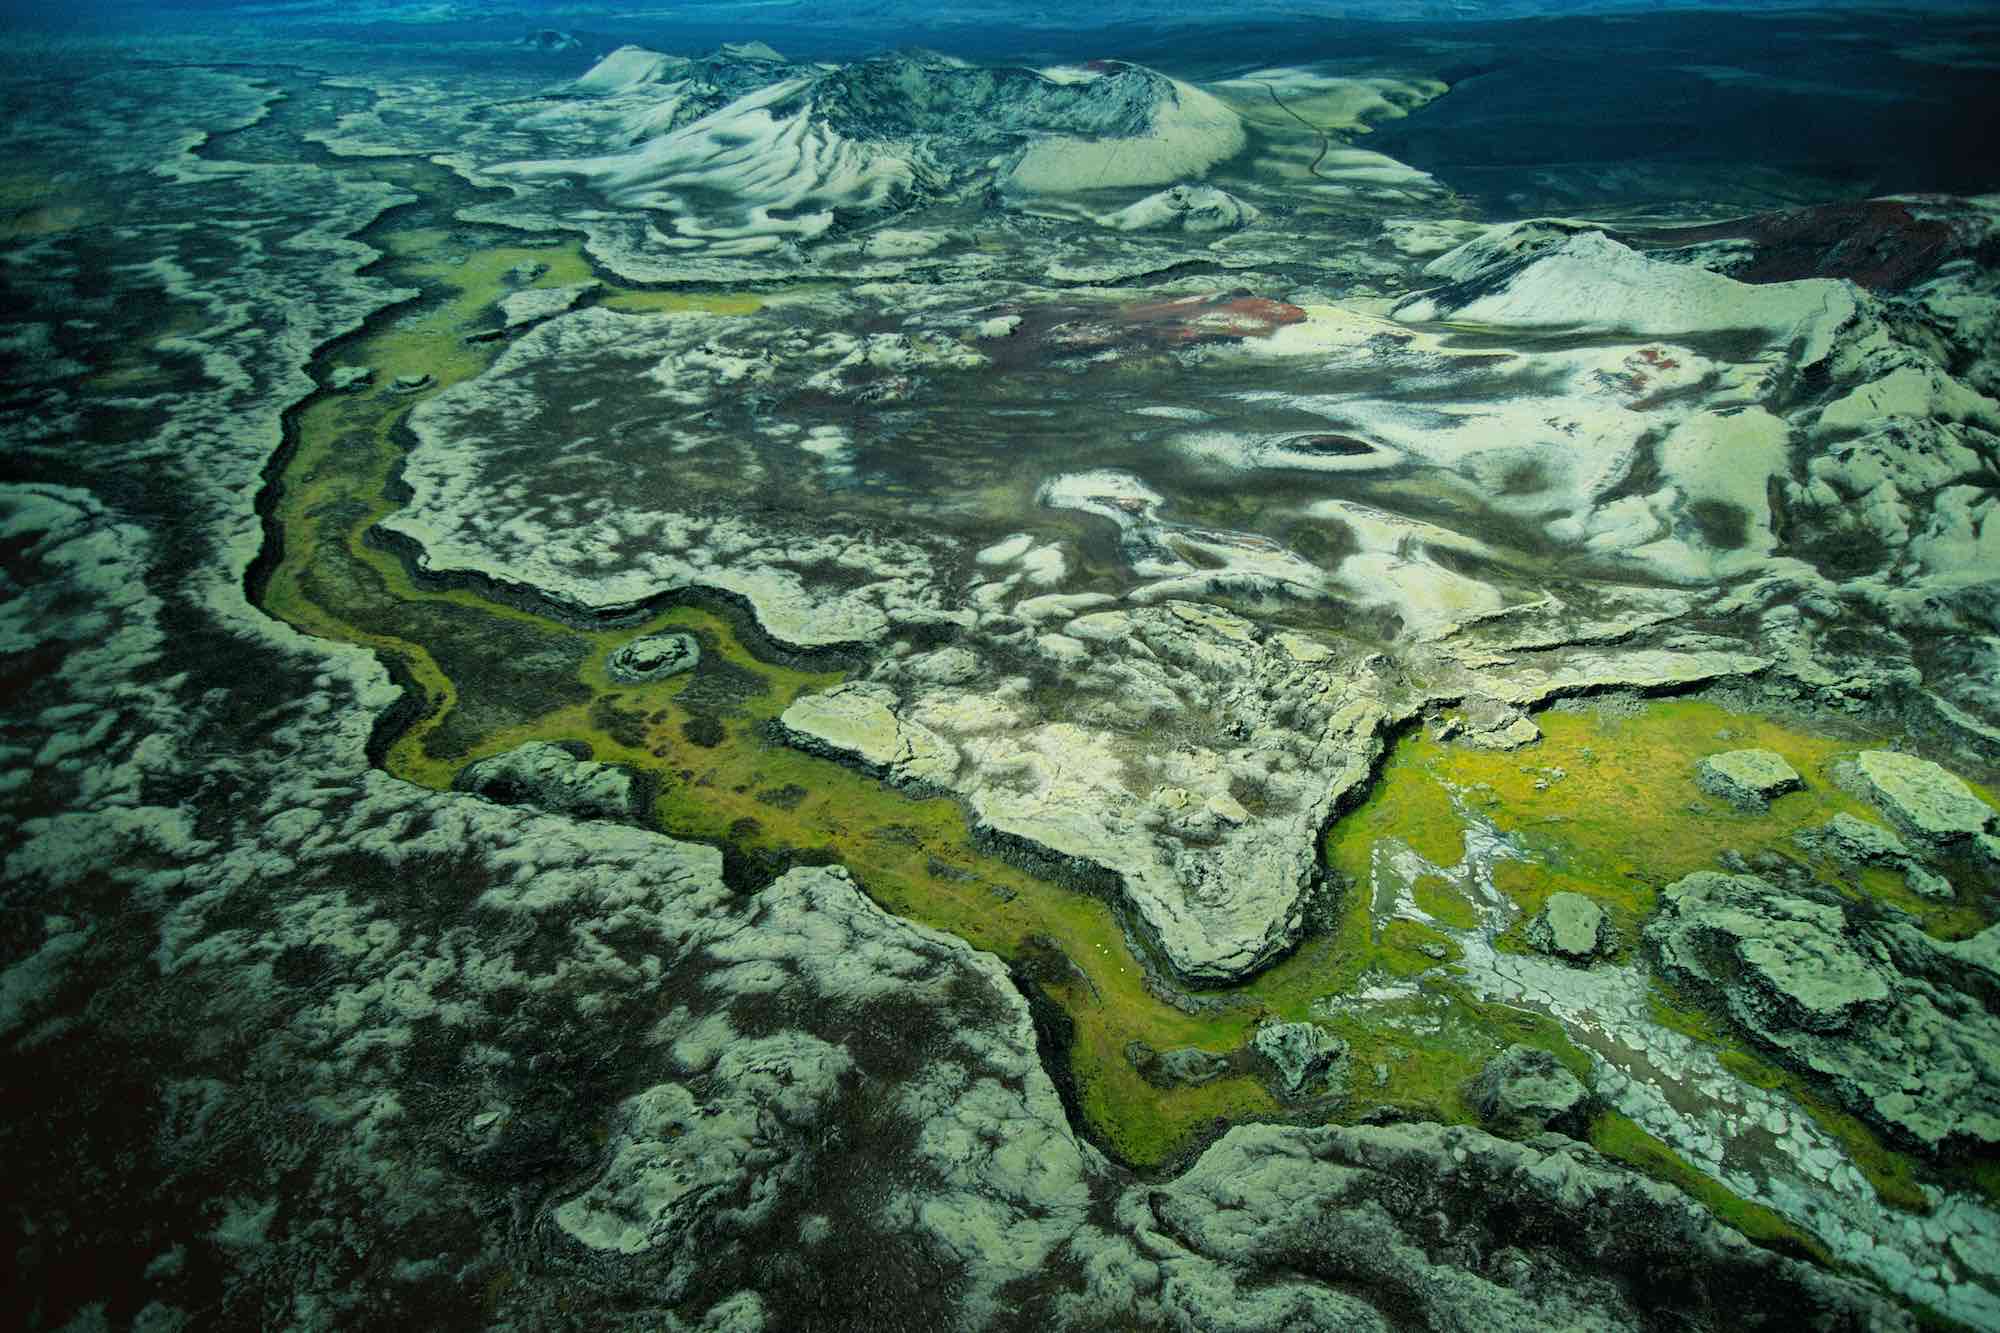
(1445, 902)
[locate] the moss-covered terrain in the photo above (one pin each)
(1603, 805)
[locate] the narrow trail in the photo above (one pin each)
(1325, 136)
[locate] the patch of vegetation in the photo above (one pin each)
(1444, 901)
(705, 731)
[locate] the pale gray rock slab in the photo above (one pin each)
(654, 657)
(1927, 883)
(1747, 779)
(860, 721)
(1929, 804)
(1856, 841)
(522, 308)
(1570, 926)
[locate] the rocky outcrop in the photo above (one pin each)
(1213, 841)
(1185, 207)
(522, 308)
(1424, 1226)
(558, 778)
(1571, 927)
(1308, 1060)
(1856, 843)
(1524, 1090)
(654, 657)
(1896, 1024)
(1747, 779)
(1932, 807)
(860, 721)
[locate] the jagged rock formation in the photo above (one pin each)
(1309, 1061)
(1895, 1023)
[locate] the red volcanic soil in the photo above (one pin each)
(1213, 317)
(1883, 244)
(1196, 318)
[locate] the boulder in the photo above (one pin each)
(410, 383)
(1571, 927)
(1523, 1091)
(1181, 1067)
(655, 657)
(535, 304)
(1794, 965)
(1930, 806)
(1747, 779)
(1857, 842)
(346, 379)
(1892, 1020)
(1309, 1060)
(553, 777)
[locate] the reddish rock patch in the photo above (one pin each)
(1195, 319)
(1882, 244)
(1145, 326)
